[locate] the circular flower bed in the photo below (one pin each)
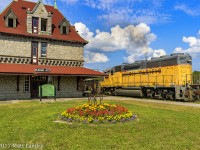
(105, 113)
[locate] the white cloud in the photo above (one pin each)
(194, 46)
(71, 2)
(159, 52)
(95, 58)
(190, 11)
(126, 12)
(130, 37)
(84, 31)
(178, 50)
(102, 4)
(120, 16)
(120, 12)
(135, 40)
(147, 54)
(191, 40)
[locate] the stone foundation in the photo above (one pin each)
(10, 91)
(8, 88)
(68, 87)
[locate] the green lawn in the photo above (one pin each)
(158, 126)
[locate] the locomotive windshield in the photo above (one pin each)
(186, 59)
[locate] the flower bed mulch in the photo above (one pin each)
(105, 113)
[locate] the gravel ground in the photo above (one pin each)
(108, 98)
(154, 101)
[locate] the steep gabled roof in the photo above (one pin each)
(36, 6)
(10, 11)
(20, 8)
(63, 21)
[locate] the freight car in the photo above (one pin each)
(165, 77)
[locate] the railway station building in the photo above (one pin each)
(38, 45)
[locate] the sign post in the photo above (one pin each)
(47, 90)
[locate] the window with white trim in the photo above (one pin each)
(26, 83)
(43, 49)
(43, 24)
(11, 22)
(64, 30)
(10, 19)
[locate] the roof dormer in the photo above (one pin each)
(64, 26)
(10, 19)
(39, 20)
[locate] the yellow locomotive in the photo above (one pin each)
(166, 77)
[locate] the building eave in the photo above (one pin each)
(44, 38)
(28, 69)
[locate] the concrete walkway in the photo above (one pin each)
(106, 98)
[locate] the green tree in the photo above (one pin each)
(196, 77)
(196, 72)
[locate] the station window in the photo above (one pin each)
(43, 49)
(35, 25)
(64, 30)
(10, 22)
(26, 83)
(43, 24)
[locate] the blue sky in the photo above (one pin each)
(122, 31)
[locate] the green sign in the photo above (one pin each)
(47, 90)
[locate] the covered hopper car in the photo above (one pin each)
(165, 77)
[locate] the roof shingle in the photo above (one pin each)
(20, 9)
(52, 70)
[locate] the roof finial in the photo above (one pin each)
(40, 1)
(55, 5)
